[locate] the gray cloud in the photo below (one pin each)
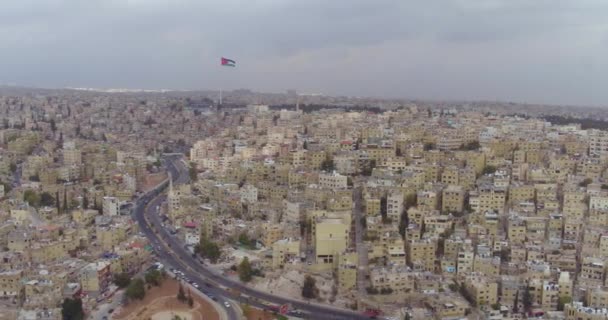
(539, 51)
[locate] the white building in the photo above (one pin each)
(598, 142)
(111, 206)
(598, 203)
(394, 205)
(249, 194)
(333, 180)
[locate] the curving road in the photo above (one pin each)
(173, 253)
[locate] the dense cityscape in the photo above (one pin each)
(167, 205)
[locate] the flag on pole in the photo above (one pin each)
(228, 62)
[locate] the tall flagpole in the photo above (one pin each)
(220, 96)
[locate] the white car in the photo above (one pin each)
(227, 304)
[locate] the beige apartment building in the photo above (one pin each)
(10, 283)
(453, 199)
(331, 239)
(421, 254)
(347, 271)
(395, 278)
(482, 290)
(283, 251)
(577, 311)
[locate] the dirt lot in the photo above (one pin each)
(152, 180)
(257, 314)
(161, 302)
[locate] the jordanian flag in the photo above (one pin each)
(228, 62)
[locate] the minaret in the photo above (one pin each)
(297, 102)
(170, 184)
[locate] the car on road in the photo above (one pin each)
(295, 313)
(195, 285)
(227, 304)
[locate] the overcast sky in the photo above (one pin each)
(540, 51)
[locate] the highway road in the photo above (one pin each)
(174, 254)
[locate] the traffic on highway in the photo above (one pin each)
(172, 253)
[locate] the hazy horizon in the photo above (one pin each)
(537, 52)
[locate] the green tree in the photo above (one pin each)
(383, 207)
(65, 208)
(122, 280)
(208, 249)
(310, 290)
(47, 200)
(489, 169)
(244, 270)
(473, 145)
(327, 165)
(7, 187)
(527, 300)
(57, 203)
(53, 125)
(13, 167)
(153, 277)
(32, 198)
(585, 182)
(136, 290)
(516, 302)
(85, 201)
(368, 168)
(193, 172)
(71, 309)
(181, 295)
(190, 300)
(562, 302)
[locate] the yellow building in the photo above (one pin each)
(449, 176)
(604, 246)
(95, 277)
(516, 231)
(108, 237)
(331, 238)
(421, 254)
(491, 199)
(372, 206)
(273, 232)
(465, 261)
(10, 283)
(394, 279)
(283, 251)
(72, 157)
(427, 200)
(453, 199)
(521, 193)
(437, 224)
(487, 265)
(592, 270)
(597, 298)
(45, 252)
(347, 271)
(482, 291)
